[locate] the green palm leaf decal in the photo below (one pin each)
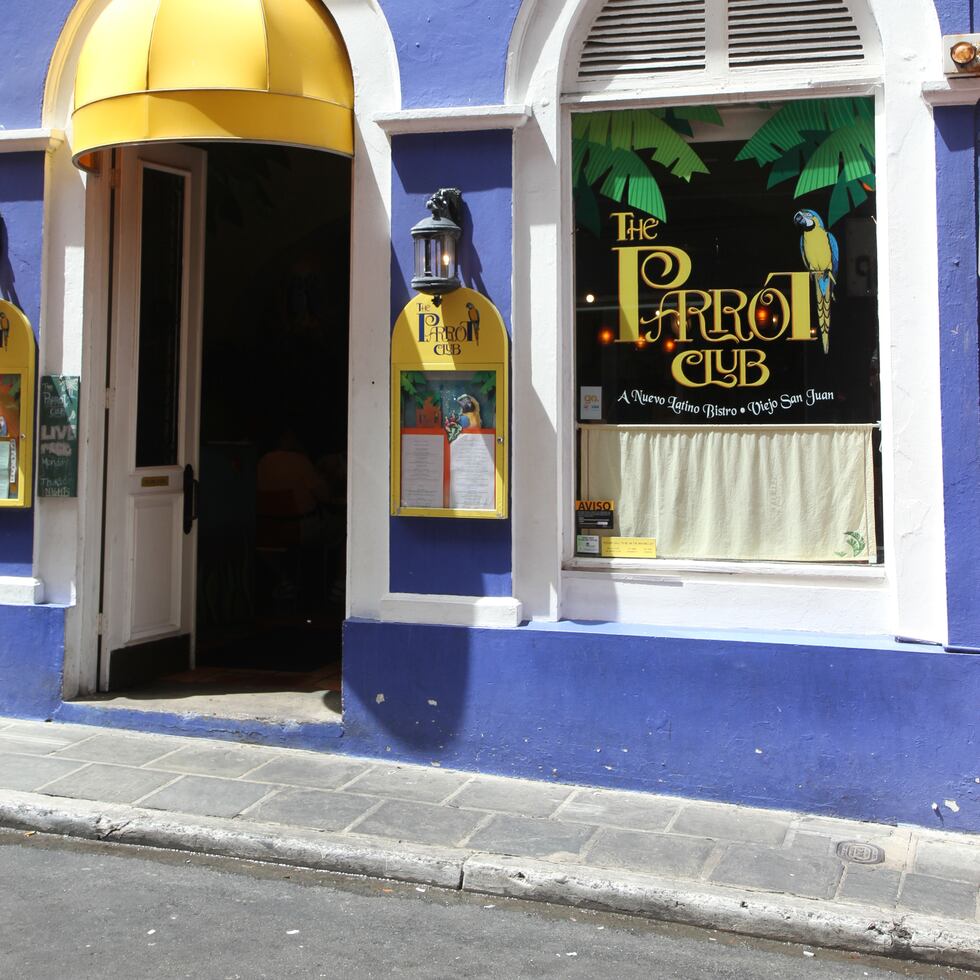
(847, 194)
(699, 113)
(605, 147)
(847, 151)
(822, 143)
(786, 129)
(669, 149)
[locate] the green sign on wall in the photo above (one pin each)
(57, 457)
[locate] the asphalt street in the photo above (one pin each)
(75, 909)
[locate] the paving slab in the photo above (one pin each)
(304, 769)
(527, 837)
(514, 796)
(843, 829)
(34, 740)
(870, 886)
(216, 760)
(939, 896)
(120, 749)
(316, 808)
(111, 784)
(732, 823)
(947, 859)
(408, 783)
(208, 796)
(424, 823)
(53, 729)
(27, 772)
(660, 854)
(767, 869)
(631, 811)
(817, 844)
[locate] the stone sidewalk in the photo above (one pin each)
(777, 874)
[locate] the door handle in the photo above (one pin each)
(190, 498)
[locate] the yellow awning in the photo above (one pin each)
(262, 70)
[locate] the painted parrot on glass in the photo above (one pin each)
(820, 255)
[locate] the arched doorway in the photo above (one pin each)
(252, 132)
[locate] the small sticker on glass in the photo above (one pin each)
(590, 403)
(587, 544)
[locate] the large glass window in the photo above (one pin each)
(727, 332)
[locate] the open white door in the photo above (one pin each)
(155, 378)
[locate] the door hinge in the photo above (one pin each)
(98, 625)
(108, 399)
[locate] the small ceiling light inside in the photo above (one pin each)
(589, 298)
(606, 336)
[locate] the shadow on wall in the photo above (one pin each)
(420, 712)
(8, 290)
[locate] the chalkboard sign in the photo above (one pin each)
(57, 463)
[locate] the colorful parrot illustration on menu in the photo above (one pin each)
(820, 255)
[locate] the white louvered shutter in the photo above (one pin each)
(791, 32)
(634, 39)
(644, 37)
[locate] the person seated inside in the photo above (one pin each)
(290, 493)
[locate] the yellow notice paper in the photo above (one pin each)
(629, 547)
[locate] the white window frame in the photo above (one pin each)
(906, 595)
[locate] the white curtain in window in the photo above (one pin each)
(777, 493)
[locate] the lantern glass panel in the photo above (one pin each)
(448, 257)
(423, 261)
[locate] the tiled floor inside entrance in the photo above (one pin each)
(234, 693)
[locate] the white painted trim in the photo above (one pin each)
(77, 214)
(456, 119)
(907, 595)
(27, 140)
(721, 603)
(20, 590)
(777, 571)
(766, 89)
(952, 91)
(482, 612)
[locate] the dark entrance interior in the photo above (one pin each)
(272, 517)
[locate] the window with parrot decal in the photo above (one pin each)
(726, 270)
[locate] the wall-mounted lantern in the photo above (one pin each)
(436, 238)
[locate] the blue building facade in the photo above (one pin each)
(495, 645)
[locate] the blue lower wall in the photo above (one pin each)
(32, 660)
(859, 728)
(875, 731)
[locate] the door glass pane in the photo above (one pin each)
(161, 278)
